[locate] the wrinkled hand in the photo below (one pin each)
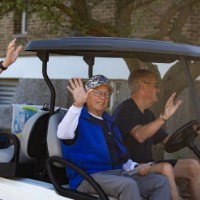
(12, 53)
(171, 107)
(77, 90)
(144, 171)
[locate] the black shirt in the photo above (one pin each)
(127, 115)
(112, 147)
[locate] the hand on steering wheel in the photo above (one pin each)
(183, 137)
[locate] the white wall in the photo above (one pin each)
(66, 67)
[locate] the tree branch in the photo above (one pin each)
(173, 20)
(179, 22)
(124, 9)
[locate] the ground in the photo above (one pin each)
(184, 189)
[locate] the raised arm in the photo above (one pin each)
(11, 55)
(67, 127)
(141, 133)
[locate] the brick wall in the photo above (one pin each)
(36, 30)
(144, 22)
(6, 33)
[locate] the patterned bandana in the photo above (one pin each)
(96, 81)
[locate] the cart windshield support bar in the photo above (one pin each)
(191, 87)
(44, 57)
(90, 61)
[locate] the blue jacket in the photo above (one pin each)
(89, 151)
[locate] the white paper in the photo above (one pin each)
(137, 169)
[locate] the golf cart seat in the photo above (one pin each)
(20, 158)
(56, 166)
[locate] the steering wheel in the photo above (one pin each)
(183, 137)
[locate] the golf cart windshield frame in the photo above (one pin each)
(91, 47)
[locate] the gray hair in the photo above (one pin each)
(136, 77)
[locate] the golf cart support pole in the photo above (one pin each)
(44, 57)
(90, 61)
(191, 87)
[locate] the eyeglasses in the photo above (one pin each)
(99, 93)
(155, 84)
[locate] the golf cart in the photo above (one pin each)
(33, 164)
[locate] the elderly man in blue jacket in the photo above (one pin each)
(91, 141)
